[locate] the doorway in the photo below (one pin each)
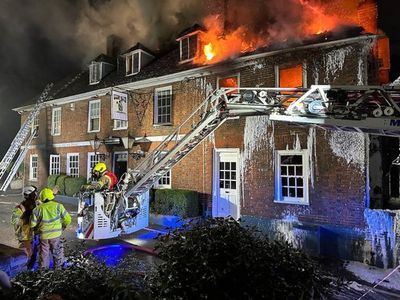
(120, 164)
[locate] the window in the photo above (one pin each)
(35, 125)
(120, 124)
(93, 159)
(94, 73)
(54, 165)
(165, 180)
(188, 48)
(289, 77)
(94, 116)
(291, 177)
(163, 105)
(33, 167)
(56, 121)
(132, 63)
(229, 82)
(73, 164)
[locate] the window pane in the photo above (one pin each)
(285, 192)
(233, 175)
(292, 192)
(299, 181)
(292, 181)
(291, 170)
(221, 175)
(284, 181)
(284, 170)
(233, 184)
(227, 184)
(300, 193)
(221, 166)
(228, 175)
(299, 171)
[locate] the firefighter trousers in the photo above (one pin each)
(54, 247)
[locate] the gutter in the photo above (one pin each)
(194, 73)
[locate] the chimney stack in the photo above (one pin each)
(114, 45)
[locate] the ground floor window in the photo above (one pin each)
(165, 180)
(291, 177)
(33, 167)
(73, 164)
(93, 159)
(54, 165)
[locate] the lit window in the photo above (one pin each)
(165, 180)
(228, 82)
(291, 177)
(33, 169)
(94, 73)
(94, 116)
(188, 48)
(54, 165)
(93, 159)
(56, 121)
(291, 77)
(73, 164)
(162, 105)
(132, 63)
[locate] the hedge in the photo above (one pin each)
(67, 185)
(183, 203)
(73, 184)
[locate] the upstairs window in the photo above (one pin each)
(120, 124)
(291, 177)
(290, 77)
(229, 82)
(56, 121)
(132, 63)
(163, 105)
(94, 73)
(94, 116)
(35, 125)
(188, 47)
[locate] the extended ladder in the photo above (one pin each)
(369, 109)
(6, 163)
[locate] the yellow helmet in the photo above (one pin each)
(46, 194)
(100, 167)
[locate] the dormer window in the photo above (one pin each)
(136, 58)
(133, 63)
(95, 72)
(188, 47)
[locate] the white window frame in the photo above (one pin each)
(131, 55)
(120, 125)
(89, 163)
(90, 117)
(166, 176)
(56, 124)
(228, 76)
(304, 73)
(181, 54)
(155, 113)
(69, 155)
(54, 164)
(279, 198)
(35, 125)
(33, 170)
(92, 78)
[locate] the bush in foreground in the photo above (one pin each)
(220, 259)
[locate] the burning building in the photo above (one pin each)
(323, 190)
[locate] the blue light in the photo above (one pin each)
(111, 254)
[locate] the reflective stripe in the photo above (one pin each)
(36, 212)
(58, 209)
(63, 214)
(51, 220)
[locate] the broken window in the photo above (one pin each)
(229, 82)
(291, 177)
(188, 48)
(35, 126)
(94, 73)
(132, 63)
(384, 172)
(290, 77)
(163, 105)
(94, 116)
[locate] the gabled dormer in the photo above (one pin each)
(136, 58)
(189, 43)
(100, 67)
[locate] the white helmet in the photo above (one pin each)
(29, 190)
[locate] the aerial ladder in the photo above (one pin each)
(10, 163)
(368, 109)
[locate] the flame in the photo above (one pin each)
(217, 45)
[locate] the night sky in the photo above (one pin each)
(45, 40)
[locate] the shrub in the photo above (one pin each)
(51, 180)
(220, 259)
(61, 183)
(176, 202)
(73, 184)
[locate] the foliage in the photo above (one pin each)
(85, 278)
(73, 184)
(61, 183)
(51, 180)
(183, 203)
(220, 259)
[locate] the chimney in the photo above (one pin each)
(114, 45)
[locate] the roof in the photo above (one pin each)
(105, 58)
(168, 64)
(139, 46)
(194, 28)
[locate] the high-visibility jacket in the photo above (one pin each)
(23, 232)
(49, 218)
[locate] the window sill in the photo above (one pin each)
(131, 74)
(292, 202)
(117, 129)
(186, 60)
(93, 83)
(92, 131)
(33, 179)
(58, 134)
(162, 187)
(162, 124)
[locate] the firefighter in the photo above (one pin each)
(49, 219)
(104, 179)
(20, 218)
